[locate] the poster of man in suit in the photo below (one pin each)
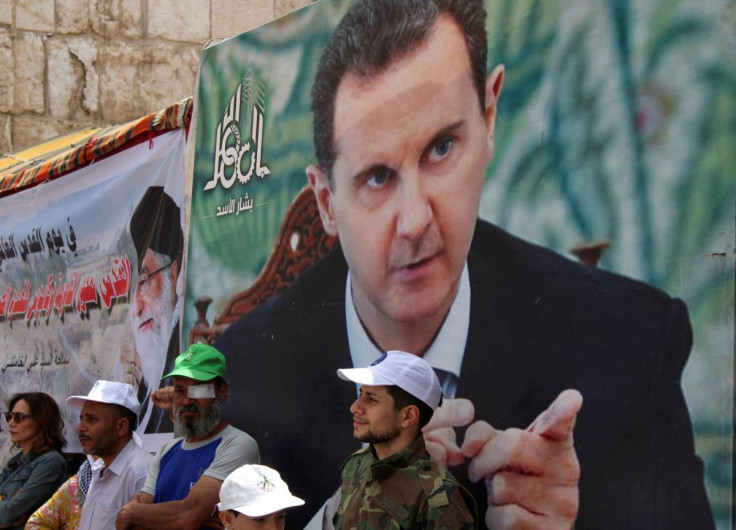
(429, 134)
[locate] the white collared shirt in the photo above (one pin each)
(119, 482)
(446, 351)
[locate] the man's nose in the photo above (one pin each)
(137, 303)
(356, 407)
(80, 427)
(415, 210)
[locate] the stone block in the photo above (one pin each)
(284, 7)
(179, 20)
(167, 74)
(6, 143)
(6, 66)
(34, 15)
(29, 65)
(30, 130)
(117, 18)
(72, 16)
(6, 12)
(233, 17)
(73, 82)
(118, 66)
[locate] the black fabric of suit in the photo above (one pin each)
(539, 324)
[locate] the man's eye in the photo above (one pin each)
(378, 178)
(440, 150)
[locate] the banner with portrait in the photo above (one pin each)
(75, 305)
(611, 140)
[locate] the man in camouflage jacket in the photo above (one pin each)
(394, 482)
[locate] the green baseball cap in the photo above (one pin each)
(201, 362)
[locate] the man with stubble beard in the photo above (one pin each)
(185, 476)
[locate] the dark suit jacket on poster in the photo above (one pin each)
(539, 324)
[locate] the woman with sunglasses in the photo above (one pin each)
(34, 474)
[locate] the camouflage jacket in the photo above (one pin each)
(407, 490)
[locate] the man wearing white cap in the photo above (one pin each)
(106, 428)
(255, 497)
(394, 478)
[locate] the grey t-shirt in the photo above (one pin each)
(235, 448)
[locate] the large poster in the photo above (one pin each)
(612, 131)
(89, 288)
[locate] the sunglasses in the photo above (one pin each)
(17, 416)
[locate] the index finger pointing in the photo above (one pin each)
(456, 412)
(557, 422)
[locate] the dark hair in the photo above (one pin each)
(372, 35)
(402, 399)
(122, 412)
(46, 414)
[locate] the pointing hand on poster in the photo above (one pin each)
(439, 433)
(531, 475)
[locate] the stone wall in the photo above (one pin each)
(68, 64)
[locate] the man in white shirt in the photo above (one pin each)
(106, 428)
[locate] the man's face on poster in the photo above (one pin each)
(412, 146)
(152, 310)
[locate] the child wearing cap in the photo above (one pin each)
(255, 496)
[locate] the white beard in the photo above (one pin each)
(153, 344)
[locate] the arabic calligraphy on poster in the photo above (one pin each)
(69, 269)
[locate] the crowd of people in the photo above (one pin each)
(210, 477)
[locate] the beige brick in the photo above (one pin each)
(233, 17)
(28, 86)
(117, 18)
(73, 81)
(6, 143)
(6, 66)
(6, 12)
(284, 7)
(167, 74)
(30, 130)
(34, 15)
(179, 20)
(85, 51)
(117, 64)
(72, 16)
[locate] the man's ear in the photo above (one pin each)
(494, 84)
(226, 517)
(222, 390)
(174, 273)
(320, 185)
(410, 416)
(123, 426)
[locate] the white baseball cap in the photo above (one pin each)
(405, 370)
(111, 392)
(255, 491)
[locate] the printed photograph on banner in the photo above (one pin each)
(529, 195)
(90, 279)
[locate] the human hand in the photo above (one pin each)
(532, 475)
(439, 433)
(130, 363)
(163, 398)
(122, 520)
